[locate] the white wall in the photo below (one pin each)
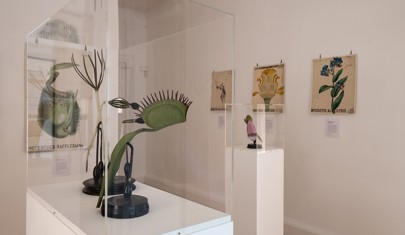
(352, 185)
(18, 17)
(186, 159)
(347, 186)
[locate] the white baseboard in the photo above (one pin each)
(296, 227)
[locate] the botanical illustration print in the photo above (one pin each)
(58, 30)
(58, 110)
(55, 117)
(333, 88)
(221, 89)
(268, 85)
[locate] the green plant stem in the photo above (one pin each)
(99, 119)
(267, 104)
(116, 157)
(333, 85)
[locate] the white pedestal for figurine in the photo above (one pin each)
(64, 210)
(255, 190)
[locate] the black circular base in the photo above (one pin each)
(93, 187)
(120, 207)
(254, 146)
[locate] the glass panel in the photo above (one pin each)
(66, 83)
(175, 60)
(175, 46)
(168, 47)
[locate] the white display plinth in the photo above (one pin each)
(64, 209)
(257, 201)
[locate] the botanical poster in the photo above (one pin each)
(54, 105)
(333, 85)
(221, 89)
(268, 86)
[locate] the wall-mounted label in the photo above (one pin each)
(332, 128)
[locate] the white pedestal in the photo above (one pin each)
(256, 195)
(64, 209)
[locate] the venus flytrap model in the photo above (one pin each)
(157, 111)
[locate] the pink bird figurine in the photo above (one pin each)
(252, 133)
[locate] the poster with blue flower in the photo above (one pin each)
(334, 85)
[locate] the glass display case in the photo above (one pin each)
(268, 121)
(119, 93)
(255, 167)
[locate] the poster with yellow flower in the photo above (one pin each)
(333, 85)
(268, 86)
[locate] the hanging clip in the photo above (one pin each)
(351, 52)
(320, 56)
(281, 61)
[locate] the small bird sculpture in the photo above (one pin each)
(252, 133)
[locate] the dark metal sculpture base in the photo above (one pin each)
(120, 207)
(254, 146)
(93, 187)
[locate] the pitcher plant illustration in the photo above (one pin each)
(58, 111)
